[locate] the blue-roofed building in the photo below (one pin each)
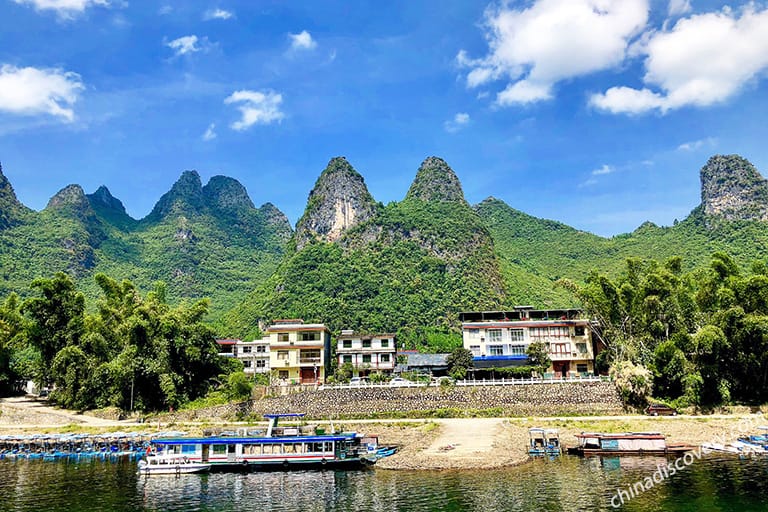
(499, 339)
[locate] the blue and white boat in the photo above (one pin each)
(279, 448)
(543, 441)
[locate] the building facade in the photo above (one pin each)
(299, 353)
(367, 353)
(500, 339)
(253, 354)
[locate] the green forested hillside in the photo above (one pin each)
(201, 241)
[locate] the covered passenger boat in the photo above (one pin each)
(629, 443)
(543, 441)
(278, 448)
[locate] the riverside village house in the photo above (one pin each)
(499, 339)
(299, 353)
(367, 353)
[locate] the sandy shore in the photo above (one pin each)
(432, 444)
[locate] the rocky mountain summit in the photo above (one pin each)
(732, 189)
(436, 181)
(11, 210)
(226, 194)
(185, 198)
(338, 201)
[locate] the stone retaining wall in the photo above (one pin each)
(577, 398)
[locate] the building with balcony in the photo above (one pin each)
(253, 354)
(500, 339)
(299, 353)
(367, 353)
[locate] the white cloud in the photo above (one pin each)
(256, 107)
(302, 41)
(697, 144)
(188, 44)
(702, 60)
(457, 123)
(550, 41)
(605, 169)
(218, 14)
(210, 133)
(32, 91)
(64, 8)
(678, 7)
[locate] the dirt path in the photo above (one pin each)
(22, 412)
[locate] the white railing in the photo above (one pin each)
(470, 382)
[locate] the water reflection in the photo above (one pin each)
(569, 483)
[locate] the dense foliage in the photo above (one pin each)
(702, 336)
(134, 352)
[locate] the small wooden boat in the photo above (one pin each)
(170, 465)
(543, 441)
(629, 443)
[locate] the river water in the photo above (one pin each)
(714, 483)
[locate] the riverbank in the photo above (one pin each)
(424, 444)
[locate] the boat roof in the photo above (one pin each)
(248, 440)
(624, 435)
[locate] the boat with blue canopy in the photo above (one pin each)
(277, 448)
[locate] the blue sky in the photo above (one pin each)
(595, 113)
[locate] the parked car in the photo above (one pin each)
(358, 381)
(399, 381)
(660, 410)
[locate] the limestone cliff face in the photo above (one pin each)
(11, 210)
(436, 181)
(277, 221)
(732, 189)
(73, 197)
(339, 201)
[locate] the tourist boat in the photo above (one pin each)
(277, 448)
(170, 464)
(543, 441)
(630, 443)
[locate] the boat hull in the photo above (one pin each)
(274, 465)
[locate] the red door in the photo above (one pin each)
(307, 376)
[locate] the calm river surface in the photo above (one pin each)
(710, 484)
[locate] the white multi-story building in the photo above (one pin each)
(501, 338)
(254, 354)
(366, 353)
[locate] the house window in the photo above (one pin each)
(384, 358)
(246, 350)
(581, 347)
(366, 343)
(282, 374)
(261, 363)
(385, 343)
(346, 343)
(538, 332)
(559, 348)
(346, 359)
(578, 330)
(582, 368)
(496, 350)
(494, 335)
(474, 332)
(310, 336)
(475, 349)
(517, 350)
(246, 364)
(516, 335)
(261, 348)
(282, 355)
(366, 358)
(283, 336)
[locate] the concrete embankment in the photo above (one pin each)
(571, 398)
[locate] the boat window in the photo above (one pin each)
(250, 449)
(188, 448)
(219, 449)
(328, 446)
(289, 448)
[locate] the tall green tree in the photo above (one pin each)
(56, 319)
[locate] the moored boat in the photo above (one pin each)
(172, 464)
(628, 443)
(543, 441)
(279, 448)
